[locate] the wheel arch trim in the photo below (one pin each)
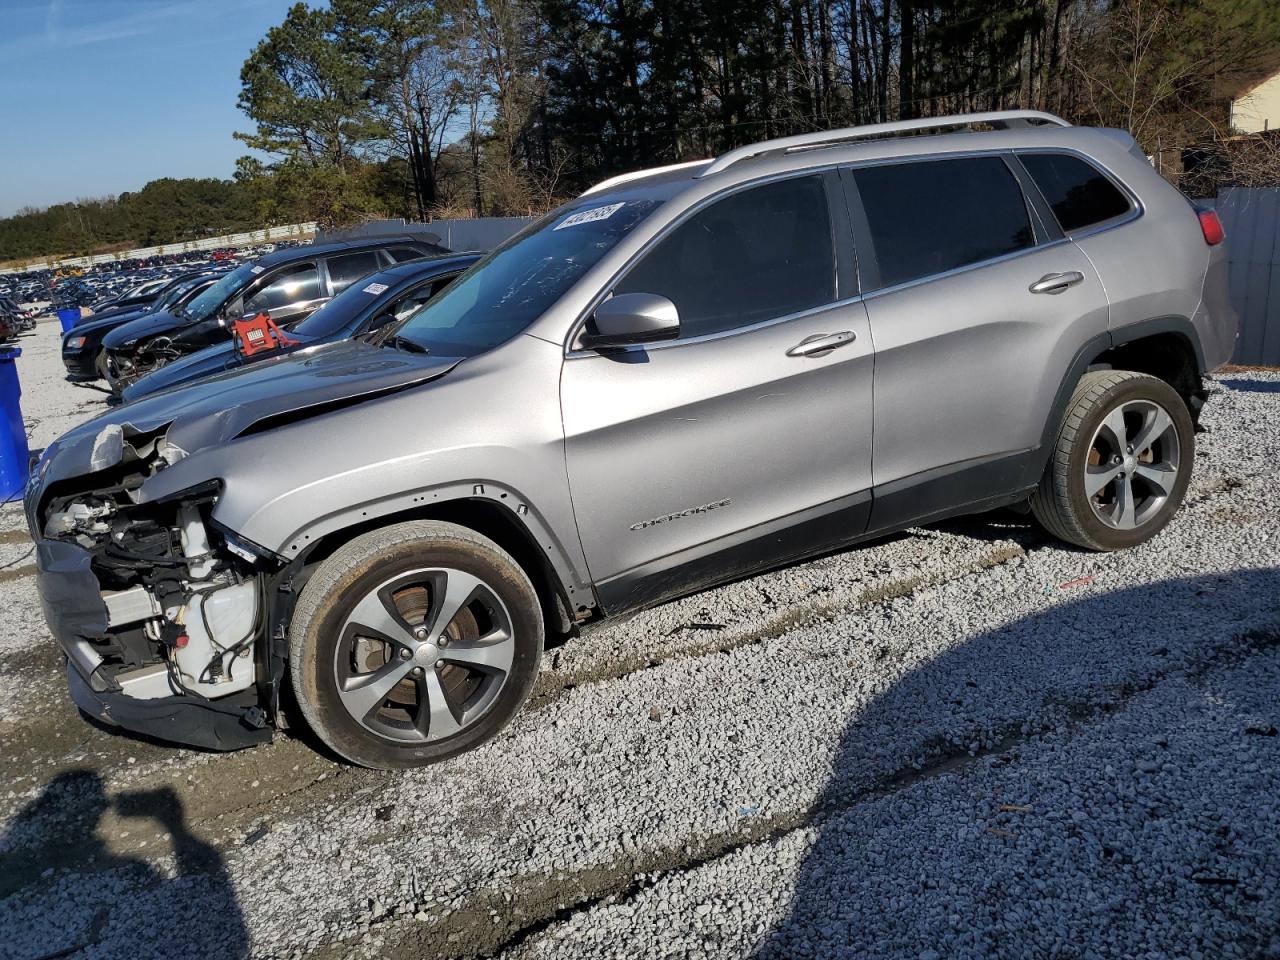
(1098, 345)
(564, 568)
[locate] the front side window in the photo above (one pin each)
(296, 284)
(1080, 195)
(350, 267)
(928, 217)
(759, 254)
(516, 283)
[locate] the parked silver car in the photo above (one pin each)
(684, 376)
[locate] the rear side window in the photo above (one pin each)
(401, 254)
(759, 254)
(1078, 193)
(350, 267)
(932, 216)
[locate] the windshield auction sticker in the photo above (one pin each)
(376, 288)
(590, 216)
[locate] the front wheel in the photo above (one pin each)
(414, 643)
(1121, 463)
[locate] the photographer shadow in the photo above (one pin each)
(109, 903)
(896, 871)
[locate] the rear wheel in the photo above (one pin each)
(414, 643)
(1121, 463)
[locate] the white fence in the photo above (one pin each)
(291, 231)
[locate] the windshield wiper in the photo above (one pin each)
(407, 345)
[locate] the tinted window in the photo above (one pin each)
(761, 253)
(348, 268)
(1078, 193)
(934, 216)
(296, 284)
(401, 254)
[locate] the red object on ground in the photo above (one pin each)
(260, 334)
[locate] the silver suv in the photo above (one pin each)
(686, 375)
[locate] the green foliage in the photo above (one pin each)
(163, 211)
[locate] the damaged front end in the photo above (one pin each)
(161, 614)
(126, 366)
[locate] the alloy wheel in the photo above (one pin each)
(1133, 463)
(424, 655)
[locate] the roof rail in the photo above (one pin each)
(1003, 119)
(636, 175)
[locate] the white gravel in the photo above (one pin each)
(926, 746)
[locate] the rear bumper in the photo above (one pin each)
(72, 602)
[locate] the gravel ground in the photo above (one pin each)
(925, 747)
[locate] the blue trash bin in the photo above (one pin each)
(68, 317)
(14, 455)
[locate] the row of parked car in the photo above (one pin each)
(182, 329)
(14, 319)
(95, 286)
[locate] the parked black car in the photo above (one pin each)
(362, 309)
(287, 285)
(82, 352)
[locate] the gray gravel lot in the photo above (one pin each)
(927, 746)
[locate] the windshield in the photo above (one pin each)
(515, 284)
(345, 307)
(222, 291)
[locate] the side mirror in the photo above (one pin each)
(627, 318)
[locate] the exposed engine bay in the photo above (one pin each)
(126, 367)
(184, 608)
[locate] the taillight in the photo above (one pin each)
(1211, 227)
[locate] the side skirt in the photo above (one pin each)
(953, 491)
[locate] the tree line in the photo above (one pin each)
(421, 108)
(163, 211)
(415, 107)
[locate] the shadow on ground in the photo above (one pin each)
(1085, 854)
(93, 900)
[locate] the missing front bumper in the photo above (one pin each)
(228, 724)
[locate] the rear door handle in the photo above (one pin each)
(1056, 282)
(820, 344)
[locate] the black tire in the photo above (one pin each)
(363, 568)
(100, 365)
(1061, 504)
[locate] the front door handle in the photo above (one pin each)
(1056, 282)
(820, 344)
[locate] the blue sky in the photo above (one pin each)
(100, 96)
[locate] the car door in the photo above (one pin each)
(978, 306)
(744, 442)
(287, 295)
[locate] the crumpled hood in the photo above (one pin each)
(219, 409)
(145, 326)
(220, 358)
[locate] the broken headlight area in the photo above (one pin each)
(124, 367)
(184, 600)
